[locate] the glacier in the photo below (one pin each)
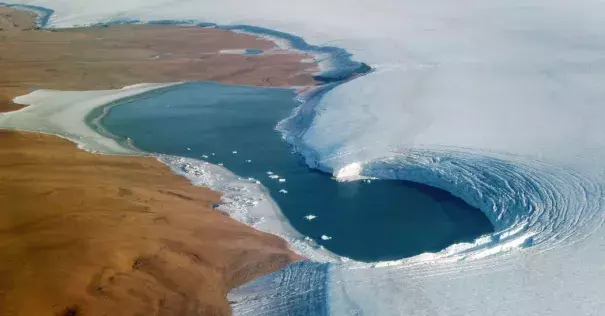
(498, 102)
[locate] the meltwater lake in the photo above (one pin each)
(235, 126)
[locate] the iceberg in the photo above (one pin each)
(310, 217)
(498, 102)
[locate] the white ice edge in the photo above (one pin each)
(323, 60)
(241, 51)
(63, 112)
(247, 202)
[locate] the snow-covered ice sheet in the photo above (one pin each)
(498, 102)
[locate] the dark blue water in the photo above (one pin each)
(375, 221)
(254, 51)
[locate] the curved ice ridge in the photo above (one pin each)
(534, 206)
(529, 202)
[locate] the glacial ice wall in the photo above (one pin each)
(499, 102)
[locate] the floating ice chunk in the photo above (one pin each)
(282, 191)
(274, 176)
(269, 172)
(310, 217)
(220, 164)
(234, 152)
(205, 156)
(307, 238)
(257, 182)
(212, 154)
(325, 237)
(248, 161)
(188, 149)
(282, 180)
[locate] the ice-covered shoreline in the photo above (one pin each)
(66, 114)
(63, 113)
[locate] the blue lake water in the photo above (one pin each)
(254, 51)
(381, 220)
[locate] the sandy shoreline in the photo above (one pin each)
(85, 234)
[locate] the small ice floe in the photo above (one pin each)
(274, 176)
(269, 172)
(307, 238)
(188, 149)
(310, 217)
(325, 237)
(213, 154)
(168, 105)
(257, 182)
(220, 164)
(248, 161)
(234, 152)
(282, 191)
(205, 156)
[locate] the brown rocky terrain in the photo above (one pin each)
(12, 20)
(111, 57)
(86, 234)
